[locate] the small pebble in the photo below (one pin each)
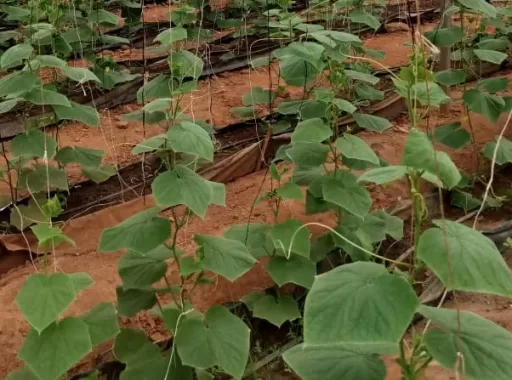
(125, 47)
(396, 27)
(122, 124)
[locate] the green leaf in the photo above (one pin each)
(493, 85)
(429, 94)
(141, 232)
(254, 236)
(345, 192)
(171, 35)
(474, 338)
(160, 87)
(362, 298)
(99, 174)
(311, 131)
(420, 154)
(188, 137)
(43, 97)
(103, 17)
(488, 105)
(229, 258)
(445, 37)
(101, 322)
(23, 216)
(491, 56)
(366, 18)
(450, 77)
(81, 281)
(480, 6)
(464, 259)
(50, 237)
(131, 301)
(186, 64)
(41, 177)
(290, 191)
(394, 226)
(34, 143)
(353, 147)
(276, 310)
(52, 352)
(80, 74)
(15, 55)
(307, 154)
(257, 95)
(504, 153)
(18, 83)
(44, 297)
(383, 175)
(464, 200)
(137, 270)
(8, 105)
(291, 237)
(366, 92)
(300, 63)
(183, 186)
(335, 362)
(296, 269)
(83, 156)
(363, 77)
(493, 44)
(452, 135)
(223, 342)
(84, 114)
(371, 122)
(343, 105)
(150, 145)
(22, 374)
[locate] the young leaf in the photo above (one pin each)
(101, 322)
(476, 339)
(229, 258)
(384, 175)
(183, 186)
(335, 362)
(50, 353)
(297, 269)
(362, 297)
(311, 131)
(141, 232)
(345, 192)
(452, 135)
(353, 147)
(34, 143)
(371, 122)
(84, 114)
(49, 237)
(188, 137)
(15, 55)
(137, 270)
(224, 342)
(504, 153)
(472, 262)
(291, 237)
(276, 310)
(44, 297)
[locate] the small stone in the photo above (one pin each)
(396, 27)
(122, 124)
(125, 47)
(138, 130)
(77, 139)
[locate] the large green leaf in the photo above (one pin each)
(420, 154)
(22, 374)
(223, 341)
(353, 147)
(171, 35)
(44, 297)
(311, 131)
(490, 106)
(450, 77)
(258, 95)
(186, 64)
(141, 232)
(254, 236)
(83, 156)
(276, 310)
(229, 258)
(18, 83)
(183, 186)
(480, 6)
(363, 17)
(8, 105)
(344, 191)
(300, 63)
(81, 281)
(383, 175)
(15, 55)
(296, 269)
(101, 322)
(429, 94)
(291, 237)
(491, 56)
(34, 143)
(371, 122)
(307, 154)
(493, 85)
(149, 145)
(504, 153)
(335, 362)
(445, 36)
(42, 177)
(84, 114)
(42, 97)
(52, 352)
(99, 174)
(131, 301)
(452, 135)
(138, 270)
(464, 259)
(483, 345)
(367, 302)
(188, 137)
(80, 74)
